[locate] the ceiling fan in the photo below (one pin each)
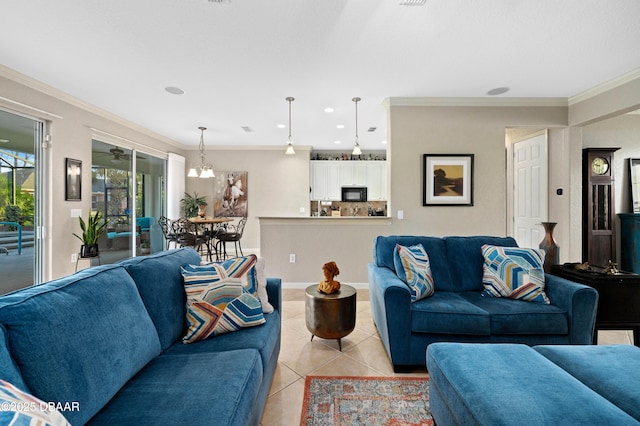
(117, 156)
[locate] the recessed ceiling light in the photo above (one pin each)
(337, 142)
(328, 109)
(412, 2)
(174, 90)
(340, 126)
(498, 91)
(281, 126)
(4, 140)
(383, 142)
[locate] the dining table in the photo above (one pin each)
(211, 224)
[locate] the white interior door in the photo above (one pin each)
(530, 177)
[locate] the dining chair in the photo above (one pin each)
(187, 235)
(232, 233)
(166, 225)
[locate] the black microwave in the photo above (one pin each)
(354, 193)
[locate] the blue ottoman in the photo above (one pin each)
(510, 384)
(613, 371)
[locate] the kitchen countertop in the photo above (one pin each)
(324, 217)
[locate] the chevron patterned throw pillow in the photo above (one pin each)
(221, 298)
(515, 273)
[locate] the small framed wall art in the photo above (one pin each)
(447, 180)
(73, 184)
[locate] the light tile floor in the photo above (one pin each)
(362, 355)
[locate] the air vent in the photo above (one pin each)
(412, 2)
(372, 129)
(247, 129)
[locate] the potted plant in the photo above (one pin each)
(193, 205)
(92, 230)
(145, 248)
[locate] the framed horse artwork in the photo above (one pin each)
(230, 194)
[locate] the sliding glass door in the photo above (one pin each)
(128, 189)
(20, 201)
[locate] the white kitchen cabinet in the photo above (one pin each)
(328, 178)
(376, 180)
(353, 173)
(325, 181)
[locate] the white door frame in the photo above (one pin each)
(510, 190)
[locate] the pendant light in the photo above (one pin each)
(203, 170)
(356, 148)
(290, 150)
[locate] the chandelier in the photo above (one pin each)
(204, 170)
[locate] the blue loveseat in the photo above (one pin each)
(107, 341)
(457, 312)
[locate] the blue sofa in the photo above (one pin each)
(108, 340)
(457, 312)
(509, 384)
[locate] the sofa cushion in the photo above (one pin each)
(513, 272)
(384, 249)
(412, 267)
(447, 313)
(464, 259)
(509, 316)
(221, 307)
(266, 339)
(79, 338)
(189, 389)
(160, 285)
(8, 368)
(261, 277)
(197, 277)
(20, 408)
(605, 369)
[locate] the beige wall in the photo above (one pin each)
(69, 122)
(278, 184)
(418, 130)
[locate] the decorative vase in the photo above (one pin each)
(202, 210)
(551, 249)
(89, 250)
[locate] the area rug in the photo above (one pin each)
(344, 400)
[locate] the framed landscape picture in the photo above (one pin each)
(447, 180)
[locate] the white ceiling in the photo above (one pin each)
(238, 60)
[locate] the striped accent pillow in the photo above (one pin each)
(413, 267)
(20, 408)
(221, 298)
(513, 272)
(198, 277)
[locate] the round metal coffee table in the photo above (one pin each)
(330, 316)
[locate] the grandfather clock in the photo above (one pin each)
(598, 206)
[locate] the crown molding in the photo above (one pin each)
(605, 87)
(476, 102)
(78, 103)
(210, 147)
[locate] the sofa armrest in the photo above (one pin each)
(391, 310)
(274, 292)
(580, 302)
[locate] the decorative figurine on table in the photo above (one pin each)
(611, 268)
(329, 285)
